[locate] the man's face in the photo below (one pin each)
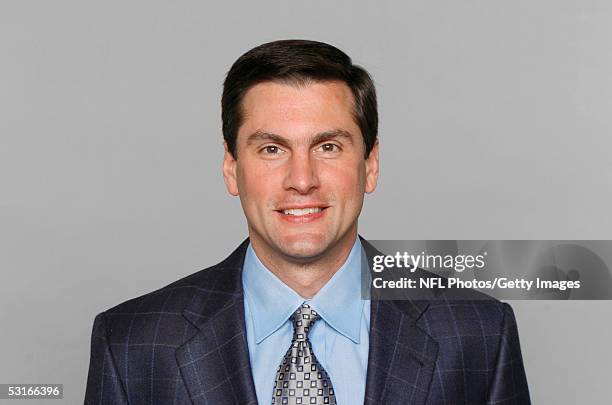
(300, 170)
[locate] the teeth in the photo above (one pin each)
(303, 211)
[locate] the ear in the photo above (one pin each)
(372, 168)
(229, 171)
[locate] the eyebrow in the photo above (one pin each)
(318, 138)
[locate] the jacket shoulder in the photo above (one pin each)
(484, 317)
(220, 279)
(141, 319)
(171, 296)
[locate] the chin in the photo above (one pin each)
(304, 246)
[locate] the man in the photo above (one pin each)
(282, 319)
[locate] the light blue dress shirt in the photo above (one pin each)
(339, 339)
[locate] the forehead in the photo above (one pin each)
(296, 109)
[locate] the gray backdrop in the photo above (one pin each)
(495, 124)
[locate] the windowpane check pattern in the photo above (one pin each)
(300, 378)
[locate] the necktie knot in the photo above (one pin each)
(300, 378)
(303, 319)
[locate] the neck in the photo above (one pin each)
(305, 277)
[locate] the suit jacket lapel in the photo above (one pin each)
(402, 355)
(214, 362)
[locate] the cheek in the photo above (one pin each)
(256, 186)
(347, 183)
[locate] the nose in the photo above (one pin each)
(302, 173)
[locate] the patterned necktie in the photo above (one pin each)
(300, 378)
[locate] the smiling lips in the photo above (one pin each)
(302, 211)
(302, 215)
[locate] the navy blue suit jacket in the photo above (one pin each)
(186, 344)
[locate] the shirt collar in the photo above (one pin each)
(271, 302)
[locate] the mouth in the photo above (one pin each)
(302, 211)
(302, 215)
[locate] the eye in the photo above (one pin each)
(329, 147)
(271, 150)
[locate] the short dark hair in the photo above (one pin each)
(297, 62)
